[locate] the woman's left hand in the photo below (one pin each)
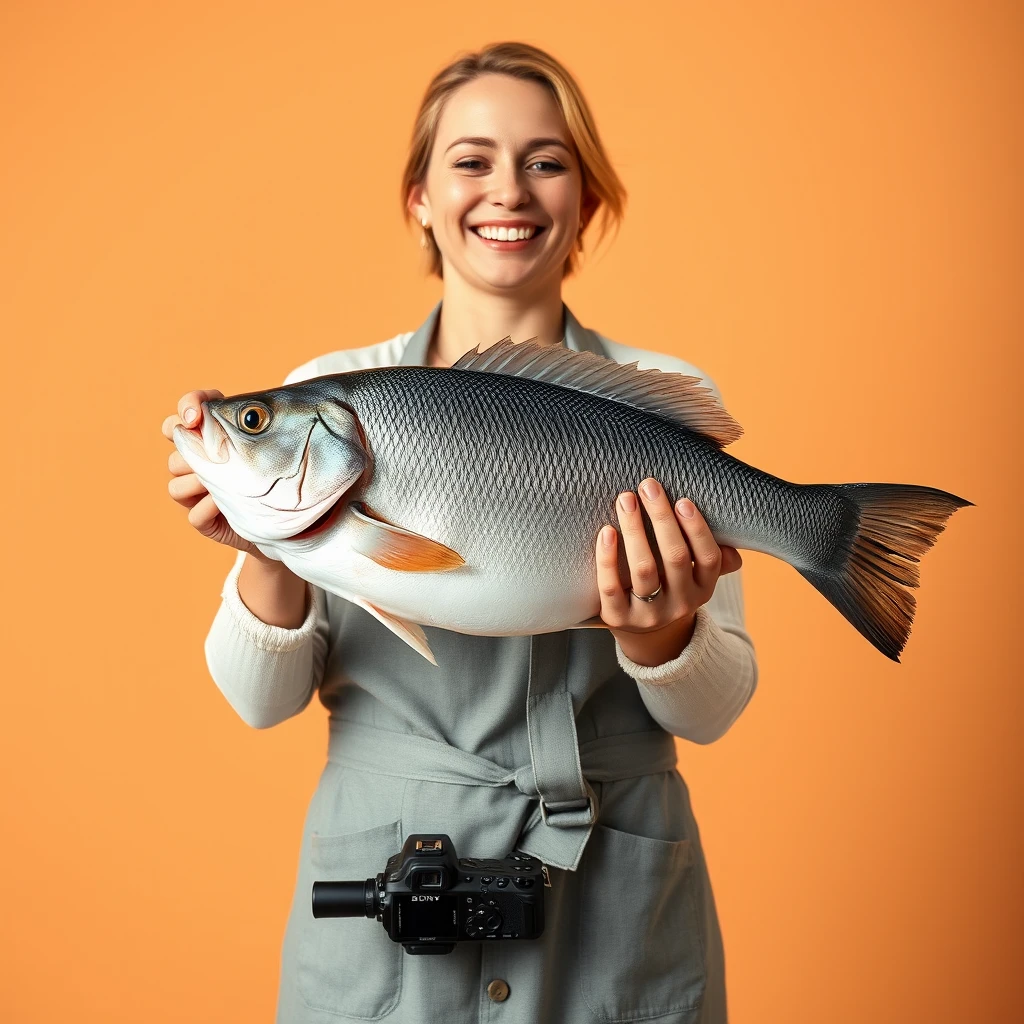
(653, 632)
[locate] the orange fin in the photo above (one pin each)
(412, 634)
(394, 548)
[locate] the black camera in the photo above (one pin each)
(427, 899)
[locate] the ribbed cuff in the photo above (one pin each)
(689, 662)
(277, 639)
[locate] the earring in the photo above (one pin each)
(424, 240)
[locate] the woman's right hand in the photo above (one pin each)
(187, 489)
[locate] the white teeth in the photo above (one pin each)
(501, 234)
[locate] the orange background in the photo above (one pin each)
(825, 215)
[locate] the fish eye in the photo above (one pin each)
(254, 419)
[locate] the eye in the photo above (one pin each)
(254, 419)
(548, 165)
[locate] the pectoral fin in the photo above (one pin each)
(394, 548)
(412, 634)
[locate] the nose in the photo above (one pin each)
(509, 189)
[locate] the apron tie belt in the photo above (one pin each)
(556, 831)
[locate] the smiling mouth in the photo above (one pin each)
(492, 235)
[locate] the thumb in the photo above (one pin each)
(731, 560)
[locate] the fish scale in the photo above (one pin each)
(547, 463)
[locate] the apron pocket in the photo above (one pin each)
(348, 965)
(641, 953)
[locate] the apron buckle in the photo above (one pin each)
(570, 813)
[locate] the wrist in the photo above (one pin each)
(265, 562)
(659, 645)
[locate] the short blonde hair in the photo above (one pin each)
(602, 189)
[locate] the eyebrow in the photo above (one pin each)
(478, 140)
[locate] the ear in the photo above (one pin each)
(418, 204)
(588, 207)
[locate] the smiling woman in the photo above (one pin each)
(527, 117)
(557, 744)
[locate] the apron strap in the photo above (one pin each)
(566, 799)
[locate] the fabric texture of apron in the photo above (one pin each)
(540, 744)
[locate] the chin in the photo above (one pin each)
(508, 277)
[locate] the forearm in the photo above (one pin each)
(272, 592)
(266, 671)
(701, 692)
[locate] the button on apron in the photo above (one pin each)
(498, 990)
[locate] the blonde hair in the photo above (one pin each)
(602, 189)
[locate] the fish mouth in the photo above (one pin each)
(210, 442)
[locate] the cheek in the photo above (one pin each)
(562, 203)
(459, 197)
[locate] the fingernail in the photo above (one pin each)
(650, 489)
(607, 536)
(190, 415)
(685, 507)
(628, 501)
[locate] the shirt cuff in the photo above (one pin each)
(277, 639)
(688, 663)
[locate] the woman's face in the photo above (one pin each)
(502, 159)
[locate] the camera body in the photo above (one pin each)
(428, 899)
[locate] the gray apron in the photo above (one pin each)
(540, 744)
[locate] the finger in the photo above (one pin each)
(203, 515)
(643, 569)
(190, 406)
(186, 490)
(177, 465)
(676, 558)
(707, 556)
(614, 600)
(731, 559)
(168, 425)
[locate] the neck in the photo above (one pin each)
(470, 317)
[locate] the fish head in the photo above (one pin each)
(275, 462)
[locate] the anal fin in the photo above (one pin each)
(410, 632)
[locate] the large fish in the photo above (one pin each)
(471, 498)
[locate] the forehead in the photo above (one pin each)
(501, 108)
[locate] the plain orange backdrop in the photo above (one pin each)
(825, 214)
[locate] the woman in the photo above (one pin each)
(504, 174)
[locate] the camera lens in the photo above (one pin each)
(344, 899)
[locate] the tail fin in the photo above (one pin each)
(888, 529)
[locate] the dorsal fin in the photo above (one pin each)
(676, 397)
